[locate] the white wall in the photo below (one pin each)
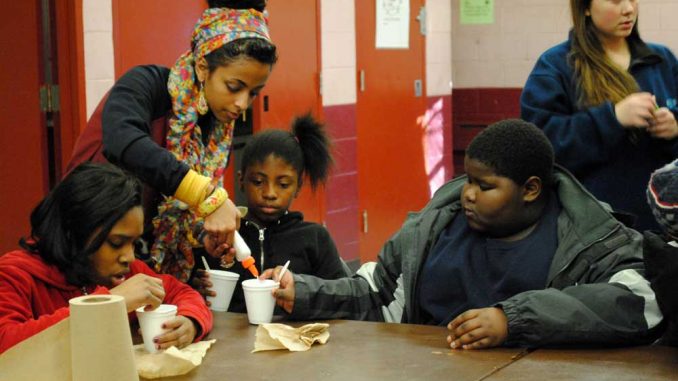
(502, 54)
(438, 47)
(338, 52)
(99, 60)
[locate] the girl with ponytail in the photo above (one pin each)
(275, 164)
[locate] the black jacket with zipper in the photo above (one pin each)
(307, 245)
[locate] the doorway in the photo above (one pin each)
(392, 178)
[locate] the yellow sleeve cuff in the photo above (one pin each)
(193, 188)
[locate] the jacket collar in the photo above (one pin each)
(582, 222)
(641, 53)
(286, 219)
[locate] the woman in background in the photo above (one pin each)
(607, 102)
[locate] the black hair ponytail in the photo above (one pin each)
(306, 148)
(315, 147)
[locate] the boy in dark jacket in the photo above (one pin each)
(512, 253)
(661, 249)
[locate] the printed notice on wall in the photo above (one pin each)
(476, 11)
(393, 24)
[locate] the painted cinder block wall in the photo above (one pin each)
(339, 93)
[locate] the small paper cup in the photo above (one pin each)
(151, 323)
(223, 283)
(259, 300)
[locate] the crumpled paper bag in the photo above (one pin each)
(273, 336)
(170, 362)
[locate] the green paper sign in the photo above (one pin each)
(476, 11)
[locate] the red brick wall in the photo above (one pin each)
(474, 109)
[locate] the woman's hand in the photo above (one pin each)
(222, 223)
(223, 251)
(284, 295)
(478, 329)
(664, 126)
(181, 332)
(636, 110)
(141, 290)
(201, 282)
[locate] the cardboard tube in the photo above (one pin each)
(101, 341)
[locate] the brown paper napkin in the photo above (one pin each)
(275, 336)
(170, 362)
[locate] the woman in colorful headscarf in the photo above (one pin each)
(173, 129)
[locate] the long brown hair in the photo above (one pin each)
(598, 78)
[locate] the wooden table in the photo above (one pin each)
(355, 351)
(616, 364)
(382, 351)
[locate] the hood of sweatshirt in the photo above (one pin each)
(33, 264)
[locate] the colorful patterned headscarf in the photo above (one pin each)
(176, 225)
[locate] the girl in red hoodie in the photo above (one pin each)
(83, 237)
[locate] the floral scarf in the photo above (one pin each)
(176, 226)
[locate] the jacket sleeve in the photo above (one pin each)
(17, 322)
(610, 303)
(137, 98)
(661, 262)
(374, 293)
(670, 58)
(327, 263)
(580, 138)
(188, 301)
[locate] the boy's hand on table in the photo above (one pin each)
(478, 329)
(284, 295)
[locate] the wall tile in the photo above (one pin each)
(338, 50)
(338, 15)
(439, 15)
(97, 16)
(99, 55)
(96, 89)
(341, 121)
(438, 79)
(339, 86)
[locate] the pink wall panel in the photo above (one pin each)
(341, 193)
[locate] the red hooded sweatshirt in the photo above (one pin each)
(34, 296)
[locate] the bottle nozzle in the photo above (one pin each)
(248, 263)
